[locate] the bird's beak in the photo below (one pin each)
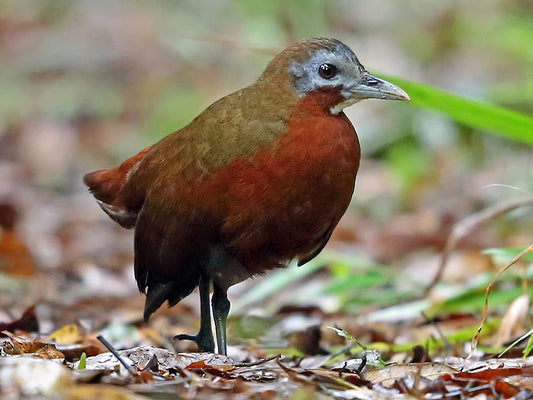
(371, 87)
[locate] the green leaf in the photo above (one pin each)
(279, 279)
(529, 346)
(473, 299)
(365, 279)
(476, 114)
(83, 359)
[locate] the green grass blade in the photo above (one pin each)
(476, 114)
(529, 345)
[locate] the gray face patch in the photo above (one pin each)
(306, 78)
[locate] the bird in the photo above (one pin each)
(256, 181)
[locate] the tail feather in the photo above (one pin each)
(106, 184)
(156, 296)
(108, 187)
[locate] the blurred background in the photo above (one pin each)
(86, 84)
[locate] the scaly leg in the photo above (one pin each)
(221, 305)
(204, 338)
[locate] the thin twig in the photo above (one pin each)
(130, 369)
(258, 362)
(447, 345)
(518, 257)
(468, 225)
(521, 338)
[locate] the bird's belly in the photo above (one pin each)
(291, 221)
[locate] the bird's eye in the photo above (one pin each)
(327, 71)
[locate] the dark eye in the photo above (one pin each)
(327, 71)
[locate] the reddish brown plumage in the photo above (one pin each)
(260, 178)
(283, 203)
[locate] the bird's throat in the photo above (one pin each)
(324, 101)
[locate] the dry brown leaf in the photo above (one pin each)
(524, 382)
(15, 259)
(22, 345)
(27, 322)
(204, 365)
(511, 325)
(390, 373)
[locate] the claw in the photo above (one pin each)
(205, 342)
(183, 336)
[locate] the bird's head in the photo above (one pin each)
(328, 67)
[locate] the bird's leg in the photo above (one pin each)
(220, 304)
(204, 338)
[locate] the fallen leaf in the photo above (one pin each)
(67, 334)
(15, 259)
(27, 322)
(390, 373)
(22, 345)
(511, 325)
(205, 365)
(32, 377)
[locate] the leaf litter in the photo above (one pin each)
(29, 362)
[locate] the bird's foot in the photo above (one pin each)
(204, 341)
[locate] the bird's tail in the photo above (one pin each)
(156, 295)
(107, 187)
